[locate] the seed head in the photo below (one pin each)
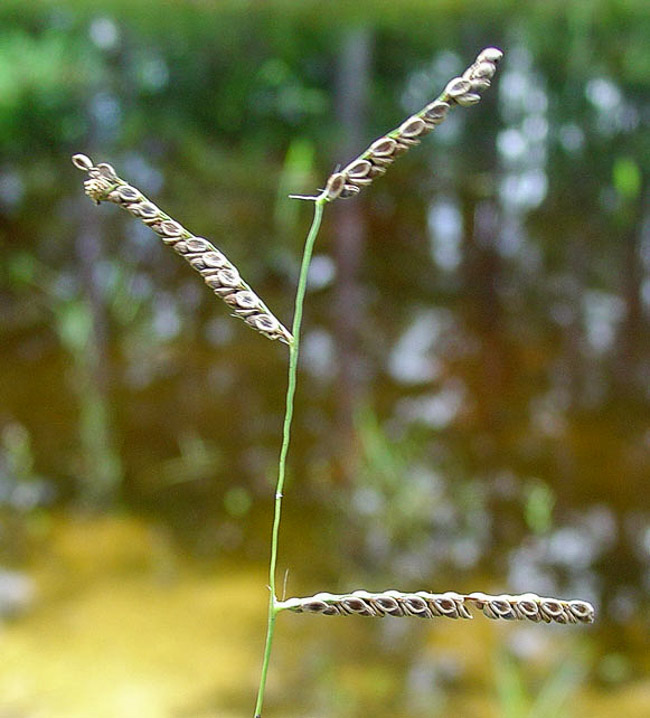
(463, 91)
(217, 272)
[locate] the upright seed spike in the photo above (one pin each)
(463, 91)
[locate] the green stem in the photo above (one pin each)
(286, 437)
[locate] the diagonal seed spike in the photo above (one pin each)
(104, 185)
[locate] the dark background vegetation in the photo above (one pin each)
(474, 393)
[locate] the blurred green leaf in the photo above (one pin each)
(22, 267)
(75, 325)
(627, 178)
(510, 688)
(539, 503)
(237, 501)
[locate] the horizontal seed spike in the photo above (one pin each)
(219, 274)
(581, 610)
(524, 607)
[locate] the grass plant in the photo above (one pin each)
(224, 279)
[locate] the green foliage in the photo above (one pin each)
(75, 327)
(237, 501)
(551, 699)
(43, 79)
(538, 507)
(627, 178)
(209, 104)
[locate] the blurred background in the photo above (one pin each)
(473, 402)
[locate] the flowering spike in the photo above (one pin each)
(217, 272)
(463, 91)
(524, 607)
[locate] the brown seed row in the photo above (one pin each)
(524, 607)
(464, 91)
(218, 273)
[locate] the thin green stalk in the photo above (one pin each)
(319, 204)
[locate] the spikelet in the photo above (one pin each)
(523, 607)
(217, 272)
(464, 91)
